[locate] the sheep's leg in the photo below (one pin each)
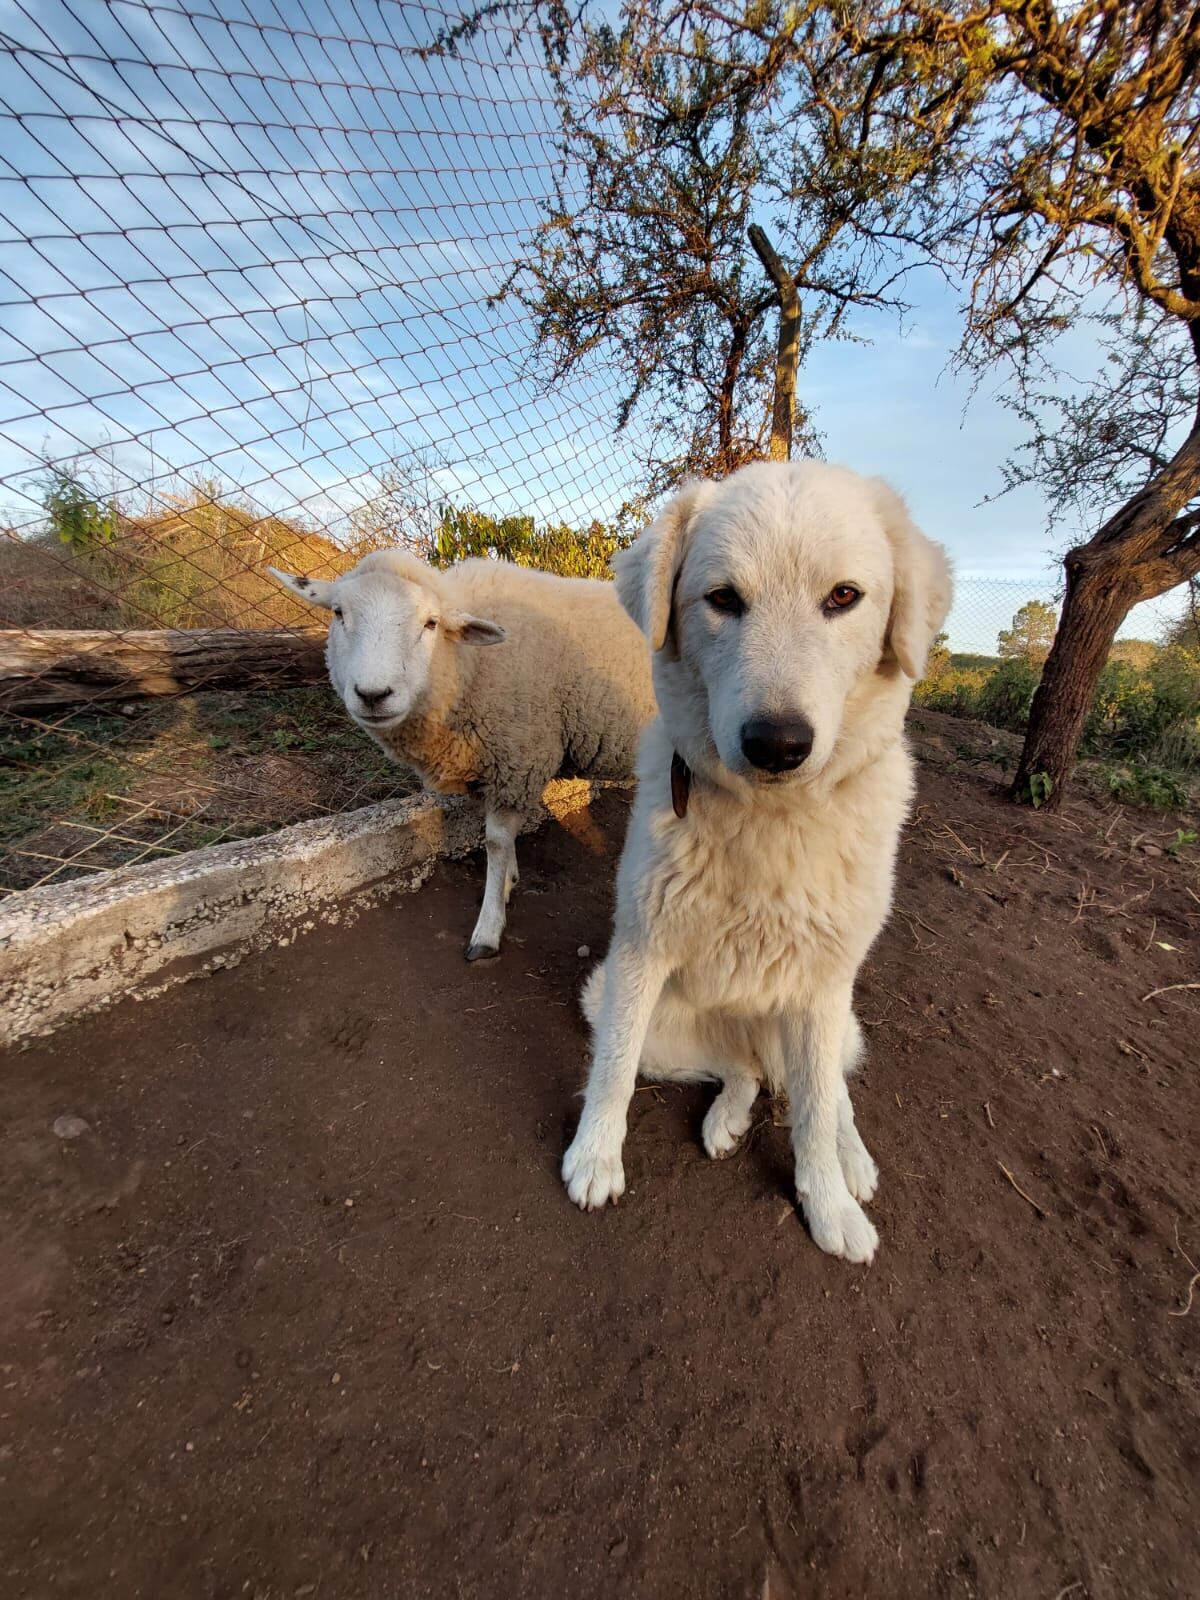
(500, 832)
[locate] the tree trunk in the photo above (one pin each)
(1149, 546)
(788, 349)
(59, 667)
(733, 365)
(1098, 598)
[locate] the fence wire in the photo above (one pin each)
(247, 315)
(250, 270)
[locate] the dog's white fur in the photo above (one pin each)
(568, 691)
(740, 928)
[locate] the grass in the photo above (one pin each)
(105, 789)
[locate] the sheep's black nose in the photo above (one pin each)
(372, 697)
(776, 744)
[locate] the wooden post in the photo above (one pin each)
(40, 669)
(788, 349)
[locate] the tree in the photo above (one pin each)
(939, 662)
(1047, 157)
(1031, 635)
(671, 129)
(1184, 632)
(1067, 135)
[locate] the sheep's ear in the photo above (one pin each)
(317, 591)
(923, 584)
(472, 630)
(646, 572)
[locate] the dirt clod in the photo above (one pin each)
(71, 1127)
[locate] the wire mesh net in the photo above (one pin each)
(248, 315)
(251, 313)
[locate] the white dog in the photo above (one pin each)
(790, 609)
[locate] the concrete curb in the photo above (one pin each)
(69, 950)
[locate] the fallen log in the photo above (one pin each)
(41, 669)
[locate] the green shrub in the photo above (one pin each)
(1140, 784)
(1152, 715)
(1005, 697)
(553, 547)
(953, 691)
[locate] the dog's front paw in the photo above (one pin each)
(837, 1222)
(725, 1125)
(592, 1171)
(858, 1169)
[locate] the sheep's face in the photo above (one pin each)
(387, 626)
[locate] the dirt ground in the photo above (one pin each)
(304, 1311)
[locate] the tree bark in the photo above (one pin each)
(733, 365)
(788, 349)
(59, 667)
(1148, 547)
(1096, 603)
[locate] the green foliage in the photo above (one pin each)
(940, 659)
(77, 515)
(1141, 784)
(1144, 722)
(554, 547)
(1007, 693)
(1031, 635)
(1152, 714)
(1040, 787)
(953, 691)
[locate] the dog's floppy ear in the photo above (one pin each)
(923, 584)
(647, 571)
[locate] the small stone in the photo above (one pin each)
(349, 1203)
(243, 1359)
(189, 1447)
(337, 1378)
(71, 1127)
(584, 950)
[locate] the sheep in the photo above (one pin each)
(488, 679)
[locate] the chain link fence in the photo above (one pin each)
(251, 312)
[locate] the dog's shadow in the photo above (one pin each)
(765, 1153)
(665, 1135)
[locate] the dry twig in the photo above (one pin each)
(1191, 1288)
(1169, 989)
(1027, 1198)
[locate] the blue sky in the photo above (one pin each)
(254, 239)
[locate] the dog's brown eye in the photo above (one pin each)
(431, 623)
(842, 596)
(337, 611)
(726, 600)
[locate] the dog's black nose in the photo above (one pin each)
(372, 697)
(776, 744)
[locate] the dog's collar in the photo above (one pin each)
(681, 784)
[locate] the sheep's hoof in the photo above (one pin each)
(482, 952)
